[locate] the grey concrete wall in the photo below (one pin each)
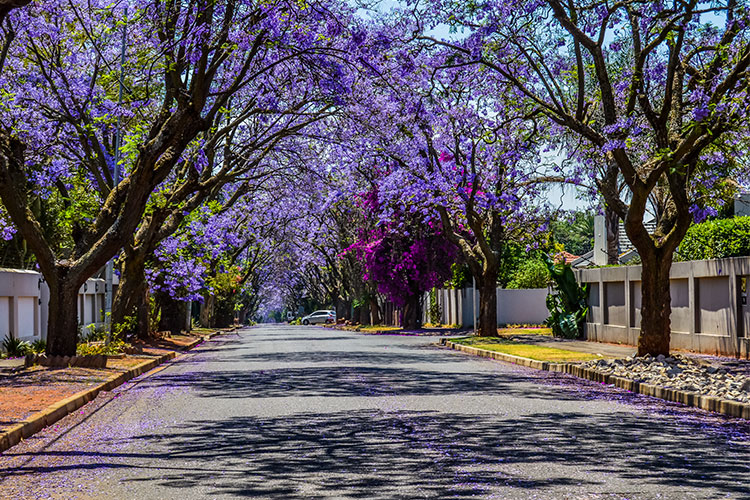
(20, 309)
(706, 296)
(522, 306)
(24, 304)
(513, 306)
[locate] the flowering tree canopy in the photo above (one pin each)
(647, 98)
(75, 101)
(449, 152)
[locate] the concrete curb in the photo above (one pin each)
(708, 403)
(56, 411)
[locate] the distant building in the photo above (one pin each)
(625, 244)
(742, 204)
(598, 256)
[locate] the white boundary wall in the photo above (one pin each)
(710, 310)
(521, 307)
(24, 302)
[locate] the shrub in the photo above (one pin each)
(531, 273)
(567, 303)
(38, 346)
(128, 328)
(91, 333)
(716, 239)
(15, 347)
(116, 346)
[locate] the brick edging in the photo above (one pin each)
(56, 411)
(708, 403)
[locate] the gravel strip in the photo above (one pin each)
(678, 372)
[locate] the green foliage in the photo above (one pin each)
(532, 273)
(576, 236)
(512, 256)
(716, 239)
(460, 276)
(225, 287)
(48, 211)
(15, 347)
(567, 306)
(359, 302)
(434, 311)
(128, 328)
(91, 333)
(117, 346)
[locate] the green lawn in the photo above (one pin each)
(524, 331)
(539, 353)
(202, 331)
(378, 328)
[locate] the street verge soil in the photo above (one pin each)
(35, 397)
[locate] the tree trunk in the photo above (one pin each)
(343, 309)
(364, 313)
(62, 326)
(487, 307)
(656, 304)
(143, 314)
(173, 314)
(356, 315)
(132, 297)
(410, 314)
(130, 291)
(207, 311)
(374, 310)
(612, 225)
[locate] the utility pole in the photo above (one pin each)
(109, 272)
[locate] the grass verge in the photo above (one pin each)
(539, 353)
(367, 328)
(524, 331)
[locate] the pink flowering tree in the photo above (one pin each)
(404, 258)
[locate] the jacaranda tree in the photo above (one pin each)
(61, 84)
(650, 99)
(456, 156)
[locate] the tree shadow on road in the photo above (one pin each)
(379, 357)
(377, 454)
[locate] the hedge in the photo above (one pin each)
(716, 239)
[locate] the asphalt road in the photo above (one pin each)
(305, 412)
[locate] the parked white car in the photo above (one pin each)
(321, 316)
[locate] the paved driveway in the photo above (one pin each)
(306, 412)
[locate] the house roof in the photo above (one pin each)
(584, 260)
(569, 257)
